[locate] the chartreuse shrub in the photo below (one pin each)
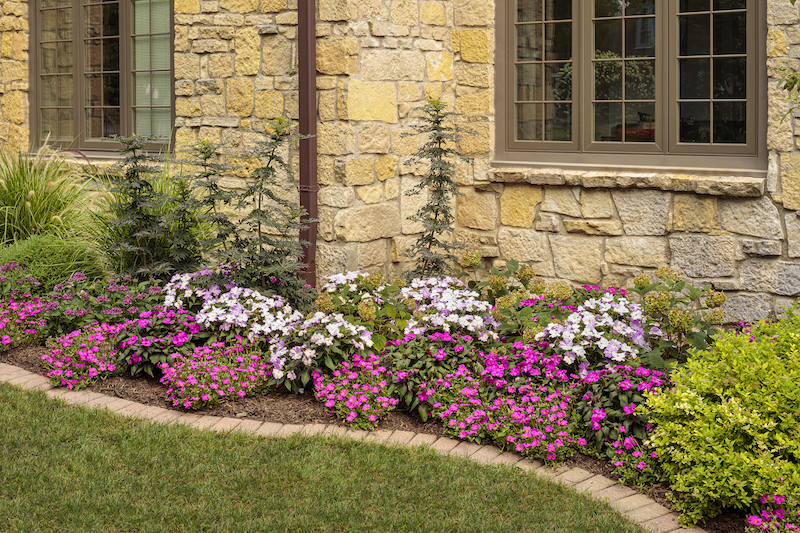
(729, 430)
(51, 259)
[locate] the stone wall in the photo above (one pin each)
(14, 122)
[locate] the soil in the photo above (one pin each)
(286, 408)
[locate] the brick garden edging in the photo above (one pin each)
(637, 507)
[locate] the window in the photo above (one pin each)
(668, 82)
(102, 67)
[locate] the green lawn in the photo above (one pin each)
(66, 468)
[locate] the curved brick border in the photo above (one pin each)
(640, 509)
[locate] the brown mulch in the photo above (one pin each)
(286, 408)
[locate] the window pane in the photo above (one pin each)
(94, 90)
(162, 122)
(695, 125)
(141, 17)
(48, 58)
(730, 33)
(111, 122)
(94, 123)
(110, 54)
(141, 89)
(159, 16)
(695, 77)
(694, 35)
(608, 8)
(64, 22)
(65, 90)
(730, 122)
(640, 7)
(694, 5)
(93, 20)
(529, 42)
(558, 81)
(529, 82)
(161, 55)
(730, 4)
(557, 9)
(558, 125)
(111, 89)
(608, 80)
(529, 10)
(161, 88)
(608, 122)
(142, 121)
(640, 80)
(640, 122)
(608, 37)
(141, 53)
(110, 19)
(49, 25)
(65, 127)
(640, 37)
(49, 91)
(49, 124)
(730, 77)
(94, 55)
(558, 41)
(64, 57)
(529, 122)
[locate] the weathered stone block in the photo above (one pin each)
(247, 44)
(273, 6)
(276, 56)
(476, 103)
(547, 222)
(474, 45)
(405, 142)
(187, 66)
(189, 7)
(370, 194)
(338, 10)
(703, 256)
(594, 227)
(638, 251)
(761, 248)
(759, 218)
(478, 141)
(393, 65)
(239, 6)
(770, 275)
(367, 223)
(472, 74)
(695, 213)
(596, 204)
(15, 107)
(523, 245)
(432, 13)
(374, 139)
(269, 104)
(776, 42)
(334, 138)
(790, 180)
(473, 13)
(372, 101)
(440, 66)
(643, 212)
(239, 97)
(577, 258)
(476, 210)
(410, 204)
(219, 66)
(333, 196)
(359, 171)
(560, 200)
(793, 234)
(405, 12)
(391, 188)
(335, 258)
(334, 55)
(386, 167)
(518, 205)
(375, 253)
(746, 307)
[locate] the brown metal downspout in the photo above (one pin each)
(307, 66)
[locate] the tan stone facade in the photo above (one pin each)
(379, 60)
(14, 74)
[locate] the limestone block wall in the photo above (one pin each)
(378, 62)
(14, 121)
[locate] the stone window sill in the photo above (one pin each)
(731, 186)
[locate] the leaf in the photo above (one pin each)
(408, 398)
(329, 363)
(379, 342)
(423, 412)
(305, 376)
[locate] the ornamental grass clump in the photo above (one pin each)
(357, 391)
(728, 430)
(79, 358)
(214, 373)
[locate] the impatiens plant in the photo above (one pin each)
(22, 323)
(635, 463)
(214, 373)
(16, 283)
(777, 513)
(78, 358)
(357, 391)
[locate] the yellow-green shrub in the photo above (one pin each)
(729, 430)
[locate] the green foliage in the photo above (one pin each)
(51, 259)
(266, 248)
(432, 250)
(150, 232)
(729, 430)
(43, 194)
(686, 315)
(16, 283)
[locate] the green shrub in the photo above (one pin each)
(41, 194)
(729, 430)
(51, 259)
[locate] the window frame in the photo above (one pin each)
(93, 147)
(583, 153)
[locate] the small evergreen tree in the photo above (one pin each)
(433, 250)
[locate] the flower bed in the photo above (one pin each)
(546, 371)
